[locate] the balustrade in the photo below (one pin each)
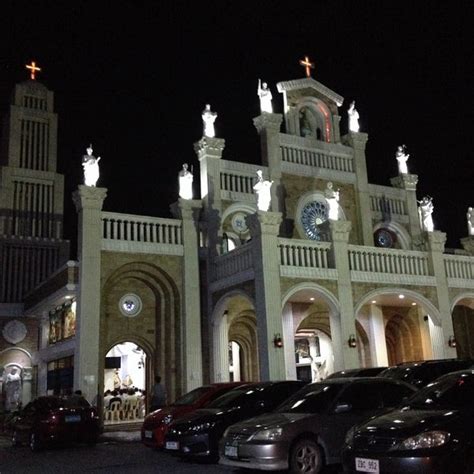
(233, 262)
(459, 267)
(305, 254)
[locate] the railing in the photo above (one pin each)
(127, 227)
(234, 262)
(237, 183)
(459, 267)
(396, 262)
(388, 205)
(305, 254)
(297, 151)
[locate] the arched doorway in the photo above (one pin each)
(463, 325)
(125, 382)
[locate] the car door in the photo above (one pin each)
(357, 402)
(25, 421)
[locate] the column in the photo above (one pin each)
(264, 228)
(408, 182)
(268, 127)
(348, 358)
(189, 212)
(220, 342)
(378, 345)
(89, 201)
(357, 141)
(436, 241)
(289, 342)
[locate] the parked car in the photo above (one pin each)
(433, 433)
(156, 424)
(51, 419)
(307, 431)
(362, 372)
(422, 373)
(198, 434)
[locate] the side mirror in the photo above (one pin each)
(343, 408)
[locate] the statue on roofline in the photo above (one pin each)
(90, 165)
(353, 118)
(332, 198)
(265, 97)
(470, 221)
(262, 189)
(425, 210)
(402, 158)
(209, 117)
(185, 178)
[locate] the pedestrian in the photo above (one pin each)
(158, 395)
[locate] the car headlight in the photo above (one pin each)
(350, 436)
(429, 439)
(168, 419)
(202, 426)
(268, 435)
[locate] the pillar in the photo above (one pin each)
(289, 342)
(378, 344)
(89, 201)
(220, 343)
(357, 141)
(264, 228)
(345, 357)
(188, 211)
(268, 127)
(436, 241)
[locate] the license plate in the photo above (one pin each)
(230, 451)
(367, 465)
(172, 445)
(148, 434)
(72, 418)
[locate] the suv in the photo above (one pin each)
(422, 373)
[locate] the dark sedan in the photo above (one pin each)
(198, 434)
(362, 372)
(433, 433)
(52, 419)
(308, 430)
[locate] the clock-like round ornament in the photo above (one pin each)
(238, 223)
(130, 305)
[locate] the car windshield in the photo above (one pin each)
(314, 398)
(192, 397)
(235, 397)
(450, 392)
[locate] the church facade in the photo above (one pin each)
(334, 273)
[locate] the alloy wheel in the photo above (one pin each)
(306, 458)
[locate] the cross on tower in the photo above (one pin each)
(308, 65)
(33, 69)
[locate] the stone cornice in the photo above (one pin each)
(89, 197)
(340, 230)
(267, 121)
(436, 240)
(309, 82)
(209, 147)
(405, 181)
(264, 223)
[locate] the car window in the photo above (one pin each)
(236, 397)
(361, 396)
(278, 393)
(393, 394)
(314, 398)
(192, 397)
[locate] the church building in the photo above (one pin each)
(290, 269)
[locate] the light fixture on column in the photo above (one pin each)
(352, 341)
(278, 341)
(452, 341)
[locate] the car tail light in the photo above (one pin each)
(52, 419)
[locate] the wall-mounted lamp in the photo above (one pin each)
(277, 340)
(352, 341)
(452, 341)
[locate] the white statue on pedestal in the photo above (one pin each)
(425, 210)
(402, 159)
(353, 117)
(332, 197)
(265, 97)
(262, 188)
(91, 168)
(470, 221)
(185, 179)
(13, 390)
(209, 117)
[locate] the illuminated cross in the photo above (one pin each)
(308, 65)
(33, 69)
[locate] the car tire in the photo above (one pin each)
(306, 457)
(15, 440)
(35, 445)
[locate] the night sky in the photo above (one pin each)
(132, 79)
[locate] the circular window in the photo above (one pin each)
(312, 215)
(385, 238)
(130, 305)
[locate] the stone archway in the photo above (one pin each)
(463, 324)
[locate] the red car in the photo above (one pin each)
(51, 419)
(155, 426)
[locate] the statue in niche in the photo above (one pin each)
(13, 390)
(470, 221)
(262, 189)
(305, 123)
(117, 381)
(402, 158)
(91, 168)
(185, 178)
(425, 211)
(353, 118)
(209, 117)
(332, 197)
(265, 97)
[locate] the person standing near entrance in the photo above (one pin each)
(158, 395)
